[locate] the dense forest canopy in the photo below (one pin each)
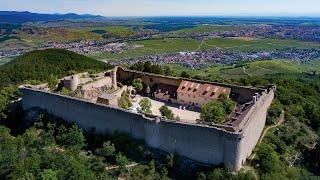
(39, 65)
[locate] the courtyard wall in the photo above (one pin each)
(205, 144)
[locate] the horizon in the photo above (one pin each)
(158, 16)
(173, 8)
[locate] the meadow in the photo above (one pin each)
(161, 46)
(251, 69)
(114, 31)
(209, 28)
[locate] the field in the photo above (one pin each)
(208, 28)
(161, 46)
(257, 68)
(238, 44)
(41, 36)
(114, 31)
(4, 60)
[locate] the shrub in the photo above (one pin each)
(166, 112)
(145, 105)
(137, 84)
(213, 112)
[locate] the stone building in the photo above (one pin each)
(108, 99)
(198, 94)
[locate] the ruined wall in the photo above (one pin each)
(147, 78)
(246, 93)
(201, 143)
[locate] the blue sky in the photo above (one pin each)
(169, 7)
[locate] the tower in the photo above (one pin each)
(114, 78)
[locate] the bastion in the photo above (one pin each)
(229, 143)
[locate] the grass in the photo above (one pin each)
(5, 60)
(114, 31)
(59, 35)
(257, 68)
(238, 44)
(209, 28)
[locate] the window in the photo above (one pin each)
(195, 90)
(183, 88)
(189, 89)
(204, 93)
(212, 94)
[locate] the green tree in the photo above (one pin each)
(267, 160)
(213, 112)
(124, 101)
(49, 174)
(145, 105)
(107, 150)
(121, 161)
(228, 104)
(52, 81)
(185, 74)
(137, 84)
(73, 138)
(166, 112)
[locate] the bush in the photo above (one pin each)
(213, 112)
(124, 101)
(145, 105)
(107, 150)
(137, 84)
(166, 112)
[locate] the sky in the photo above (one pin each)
(168, 7)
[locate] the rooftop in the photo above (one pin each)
(202, 90)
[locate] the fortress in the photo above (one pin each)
(94, 104)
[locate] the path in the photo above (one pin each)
(245, 71)
(200, 45)
(280, 120)
(264, 132)
(117, 167)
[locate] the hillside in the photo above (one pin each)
(40, 65)
(15, 17)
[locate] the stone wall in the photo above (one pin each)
(201, 143)
(123, 75)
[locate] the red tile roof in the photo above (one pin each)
(202, 90)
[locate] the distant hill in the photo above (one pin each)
(14, 17)
(40, 65)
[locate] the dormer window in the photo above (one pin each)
(183, 87)
(204, 93)
(189, 89)
(195, 90)
(212, 94)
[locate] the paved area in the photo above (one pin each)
(187, 116)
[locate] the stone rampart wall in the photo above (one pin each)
(201, 143)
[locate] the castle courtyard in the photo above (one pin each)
(186, 116)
